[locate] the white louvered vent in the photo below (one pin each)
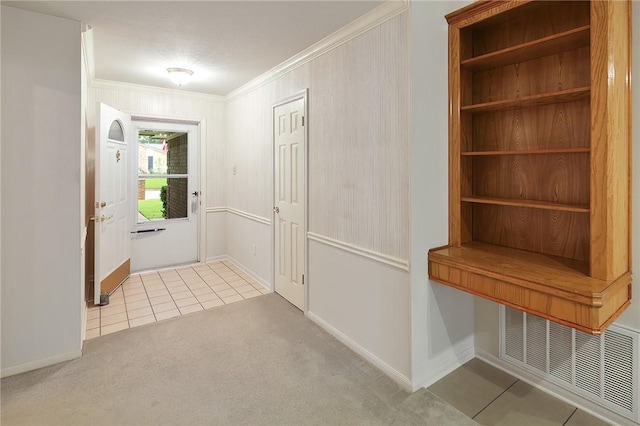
(618, 373)
(536, 342)
(603, 369)
(588, 362)
(560, 353)
(514, 321)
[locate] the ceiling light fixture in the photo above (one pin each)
(180, 76)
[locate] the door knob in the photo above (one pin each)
(276, 209)
(103, 203)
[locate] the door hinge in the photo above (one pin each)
(302, 279)
(303, 120)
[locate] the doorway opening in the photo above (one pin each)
(166, 214)
(162, 175)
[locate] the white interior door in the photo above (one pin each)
(289, 214)
(166, 221)
(112, 241)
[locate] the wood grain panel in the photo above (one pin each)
(562, 71)
(555, 178)
(527, 23)
(538, 284)
(564, 125)
(556, 233)
(115, 278)
(530, 101)
(459, 177)
(546, 175)
(556, 43)
(610, 160)
(590, 319)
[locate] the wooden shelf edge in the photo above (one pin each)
(533, 204)
(595, 331)
(475, 8)
(556, 43)
(568, 95)
(527, 152)
(589, 313)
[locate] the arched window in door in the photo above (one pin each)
(116, 132)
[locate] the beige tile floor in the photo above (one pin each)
(493, 397)
(154, 296)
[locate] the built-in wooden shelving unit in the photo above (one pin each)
(539, 140)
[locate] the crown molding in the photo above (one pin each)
(376, 17)
(110, 84)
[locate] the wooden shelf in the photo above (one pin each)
(552, 287)
(529, 152)
(534, 91)
(534, 204)
(529, 101)
(556, 43)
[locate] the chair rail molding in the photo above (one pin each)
(246, 215)
(402, 264)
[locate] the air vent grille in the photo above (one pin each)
(514, 321)
(537, 342)
(618, 373)
(560, 353)
(588, 362)
(603, 369)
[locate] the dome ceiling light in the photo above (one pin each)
(180, 76)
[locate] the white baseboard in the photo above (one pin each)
(445, 367)
(398, 377)
(40, 363)
(553, 389)
(253, 275)
(216, 258)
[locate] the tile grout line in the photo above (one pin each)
(192, 294)
(183, 282)
(223, 279)
(168, 291)
(569, 418)
(209, 285)
(126, 311)
(494, 399)
(148, 298)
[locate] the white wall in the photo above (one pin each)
(486, 312)
(152, 102)
(41, 161)
(365, 303)
(442, 318)
(242, 234)
(358, 185)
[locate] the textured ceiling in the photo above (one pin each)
(225, 43)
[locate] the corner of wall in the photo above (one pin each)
(441, 317)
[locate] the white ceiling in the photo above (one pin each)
(225, 43)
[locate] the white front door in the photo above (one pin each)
(289, 203)
(112, 242)
(167, 189)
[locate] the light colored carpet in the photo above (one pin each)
(255, 362)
